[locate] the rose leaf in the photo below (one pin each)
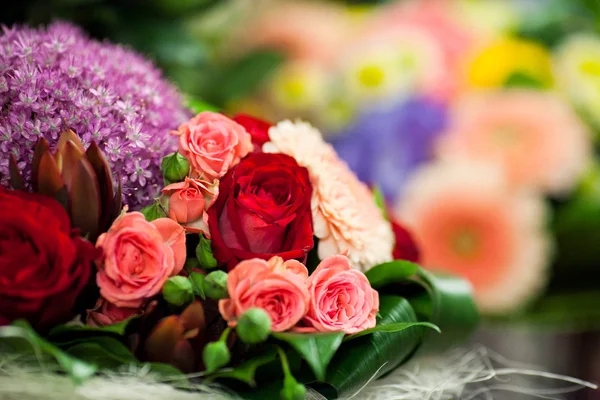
(316, 348)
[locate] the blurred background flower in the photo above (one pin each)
(468, 221)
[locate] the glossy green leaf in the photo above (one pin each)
(118, 328)
(204, 254)
(391, 272)
(397, 327)
(76, 369)
(103, 351)
(246, 371)
(316, 348)
(153, 211)
(197, 284)
(448, 303)
(360, 360)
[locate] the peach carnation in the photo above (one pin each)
(468, 222)
(345, 217)
(535, 136)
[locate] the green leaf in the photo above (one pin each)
(244, 76)
(380, 201)
(448, 303)
(245, 372)
(153, 211)
(360, 360)
(316, 348)
(103, 351)
(197, 282)
(204, 254)
(76, 369)
(391, 272)
(198, 105)
(118, 328)
(397, 327)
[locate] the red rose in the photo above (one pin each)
(405, 248)
(263, 210)
(43, 264)
(257, 128)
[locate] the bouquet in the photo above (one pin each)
(261, 266)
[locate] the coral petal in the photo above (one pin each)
(163, 339)
(102, 170)
(16, 180)
(48, 178)
(41, 147)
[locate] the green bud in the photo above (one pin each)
(175, 167)
(215, 285)
(215, 355)
(198, 284)
(254, 326)
(292, 390)
(178, 291)
(152, 212)
(204, 254)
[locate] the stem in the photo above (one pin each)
(224, 335)
(284, 362)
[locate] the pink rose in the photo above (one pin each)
(188, 202)
(276, 286)
(213, 144)
(105, 313)
(139, 256)
(341, 299)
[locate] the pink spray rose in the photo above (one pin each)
(188, 202)
(139, 256)
(213, 144)
(341, 299)
(276, 286)
(105, 313)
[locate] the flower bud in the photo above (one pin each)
(175, 167)
(292, 390)
(215, 285)
(215, 355)
(254, 326)
(178, 291)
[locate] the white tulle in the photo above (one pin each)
(464, 374)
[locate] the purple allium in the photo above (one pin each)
(385, 144)
(58, 78)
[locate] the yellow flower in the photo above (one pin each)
(298, 86)
(507, 57)
(403, 61)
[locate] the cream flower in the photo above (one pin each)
(469, 222)
(345, 217)
(577, 69)
(534, 135)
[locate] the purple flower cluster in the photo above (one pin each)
(386, 143)
(58, 78)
